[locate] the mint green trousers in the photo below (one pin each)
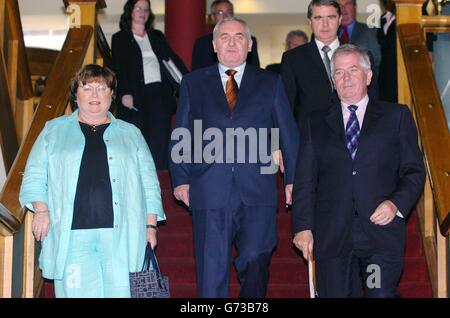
(88, 271)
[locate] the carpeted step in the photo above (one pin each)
(282, 271)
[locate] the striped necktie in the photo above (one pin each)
(352, 131)
(232, 89)
(326, 61)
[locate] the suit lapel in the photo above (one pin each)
(356, 33)
(248, 84)
(156, 47)
(315, 56)
(371, 118)
(215, 86)
(335, 120)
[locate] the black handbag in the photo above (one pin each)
(149, 283)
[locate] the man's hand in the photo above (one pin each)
(384, 213)
(304, 242)
(182, 193)
(288, 192)
(278, 159)
(40, 225)
(127, 101)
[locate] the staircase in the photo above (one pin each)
(288, 272)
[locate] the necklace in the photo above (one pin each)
(94, 128)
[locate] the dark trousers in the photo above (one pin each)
(252, 230)
(153, 119)
(363, 268)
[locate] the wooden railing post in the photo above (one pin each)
(2, 23)
(407, 11)
(6, 261)
(28, 258)
(442, 263)
(88, 16)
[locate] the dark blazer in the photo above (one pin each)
(275, 67)
(306, 81)
(262, 103)
(366, 37)
(329, 186)
(388, 67)
(127, 58)
(203, 54)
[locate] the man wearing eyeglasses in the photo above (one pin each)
(203, 54)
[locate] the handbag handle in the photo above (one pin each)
(150, 258)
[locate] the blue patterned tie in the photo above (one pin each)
(352, 131)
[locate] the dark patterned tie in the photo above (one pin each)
(345, 37)
(352, 131)
(232, 89)
(326, 61)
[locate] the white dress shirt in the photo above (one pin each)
(152, 73)
(237, 77)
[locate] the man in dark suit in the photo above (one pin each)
(232, 197)
(359, 174)
(305, 69)
(352, 31)
(203, 54)
(387, 38)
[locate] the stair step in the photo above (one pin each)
(273, 291)
(282, 271)
(288, 273)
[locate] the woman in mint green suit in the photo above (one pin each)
(91, 182)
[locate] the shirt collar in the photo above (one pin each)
(333, 46)
(239, 69)
(362, 104)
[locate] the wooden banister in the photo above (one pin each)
(8, 137)
(53, 104)
(430, 118)
(41, 60)
(24, 86)
(103, 48)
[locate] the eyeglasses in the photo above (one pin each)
(139, 9)
(100, 89)
(223, 12)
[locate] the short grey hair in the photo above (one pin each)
(347, 49)
(298, 33)
(229, 19)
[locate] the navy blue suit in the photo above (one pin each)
(334, 196)
(234, 202)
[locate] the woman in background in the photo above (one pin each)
(146, 92)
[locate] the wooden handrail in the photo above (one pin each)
(53, 104)
(103, 47)
(430, 117)
(41, 60)
(25, 88)
(8, 138)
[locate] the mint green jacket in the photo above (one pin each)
(51, 176)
